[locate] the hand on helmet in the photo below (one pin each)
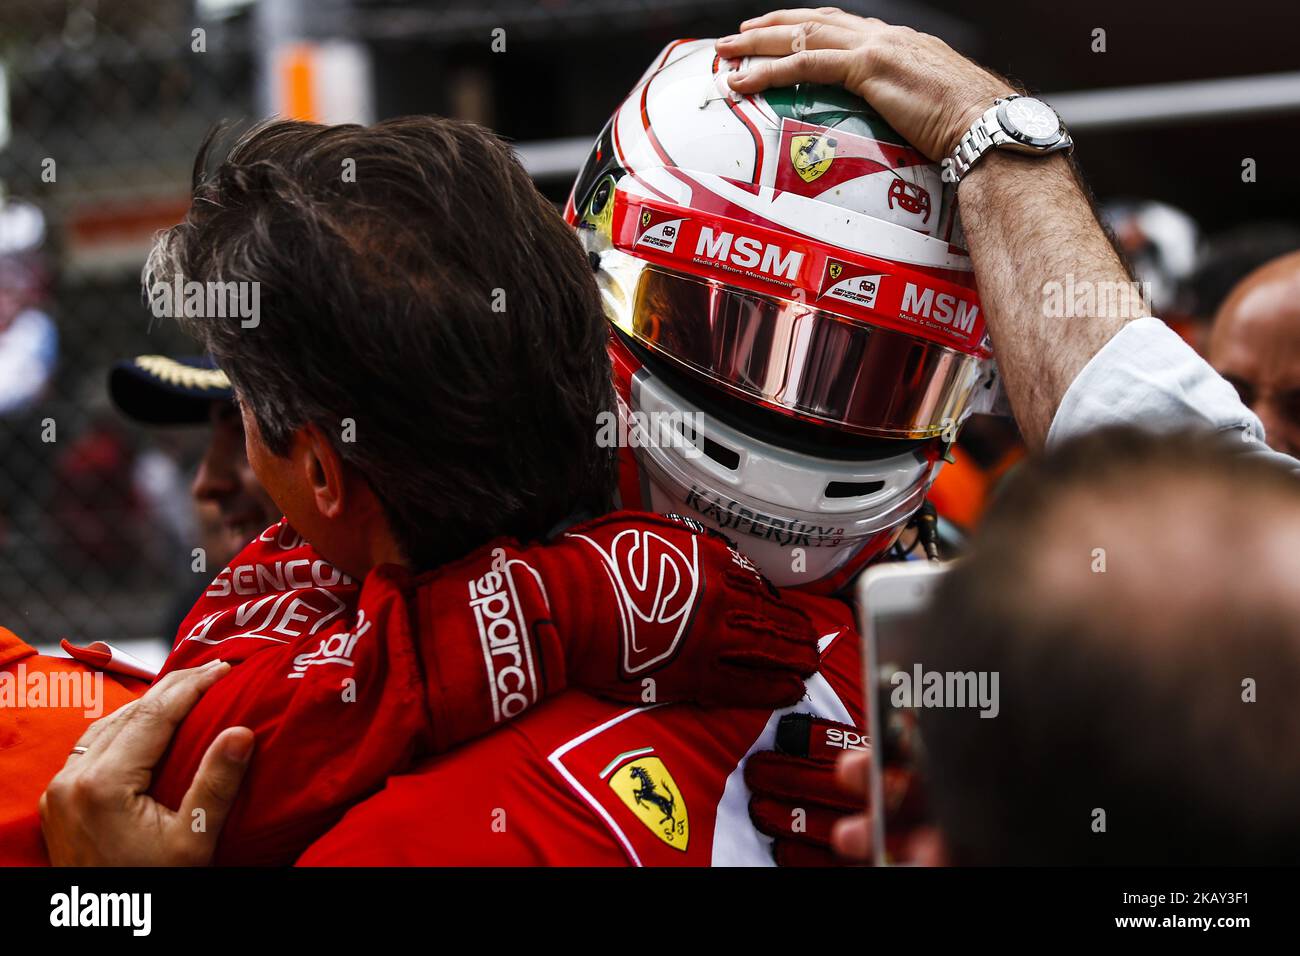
(924, 89)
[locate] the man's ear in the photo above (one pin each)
(324, 470)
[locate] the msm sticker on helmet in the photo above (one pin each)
(746, 253)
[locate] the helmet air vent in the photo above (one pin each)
(852, 489)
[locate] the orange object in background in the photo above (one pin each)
(297, 82)
(38, 729)
(963, 488)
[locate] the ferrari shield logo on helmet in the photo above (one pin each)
(836, 270)
(650, 792)
(811, 155)
(645, 218)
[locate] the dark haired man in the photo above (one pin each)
(437, 365)
(421, 402)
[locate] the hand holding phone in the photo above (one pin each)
(891, 601)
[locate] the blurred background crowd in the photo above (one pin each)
(103, 104)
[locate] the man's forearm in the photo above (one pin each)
(1028, 224)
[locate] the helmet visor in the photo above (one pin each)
(790, 357)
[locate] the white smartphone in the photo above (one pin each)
(891, 600)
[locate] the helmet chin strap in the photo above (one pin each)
(925, 522)
(927, 529)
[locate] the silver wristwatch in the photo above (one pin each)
(1019, 123)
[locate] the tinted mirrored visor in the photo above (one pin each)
(790, 357)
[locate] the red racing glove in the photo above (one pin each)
(795, 798)
(634, 607)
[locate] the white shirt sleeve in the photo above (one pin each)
(1146, 376)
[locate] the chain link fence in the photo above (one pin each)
(106, 104)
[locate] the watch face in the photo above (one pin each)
(1030, 121)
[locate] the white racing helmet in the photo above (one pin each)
(796, 333)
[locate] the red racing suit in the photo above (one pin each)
(342, 694)
(344, 685)
(581, 781)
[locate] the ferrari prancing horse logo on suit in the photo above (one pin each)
(649, 791)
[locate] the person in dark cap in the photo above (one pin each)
(191, 390)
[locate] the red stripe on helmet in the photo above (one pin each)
(768, 261)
